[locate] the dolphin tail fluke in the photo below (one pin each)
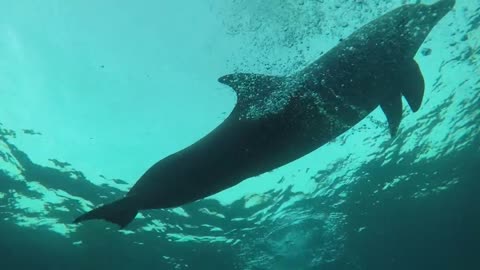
(120, 212)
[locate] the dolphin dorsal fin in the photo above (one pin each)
(257, 94)
(393, 111)
(413, 87)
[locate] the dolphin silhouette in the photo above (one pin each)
(278, 119)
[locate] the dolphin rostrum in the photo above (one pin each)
(278, 119)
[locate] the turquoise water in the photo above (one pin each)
(93, 93)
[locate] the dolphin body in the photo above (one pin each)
(278, 119)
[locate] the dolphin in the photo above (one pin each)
(278, 119)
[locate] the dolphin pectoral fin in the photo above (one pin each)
(120, 212)
(253, 90)
(413, 87)
(393, 111)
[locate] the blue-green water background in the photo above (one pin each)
(94, 92)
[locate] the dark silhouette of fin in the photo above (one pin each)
(393, 111)
(254, 89)
(250, 83)
(412, 85)
(120, 212)
(408, 81)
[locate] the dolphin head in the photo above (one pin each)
(416, 21)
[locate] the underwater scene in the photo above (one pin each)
(289, 134)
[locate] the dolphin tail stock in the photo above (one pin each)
(120, 212)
